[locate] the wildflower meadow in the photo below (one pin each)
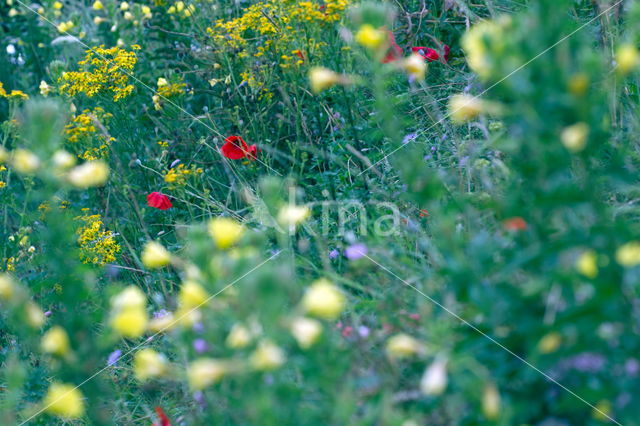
(322, 212)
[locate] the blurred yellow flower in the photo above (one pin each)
(124, 6)
(7, 287)
(628, 255)
(403, 346)
(267, 356)
(324, 300)
(292, 215)
(434, 380)
(491, 402)
(35, 316)
(306, 331)
(192, 294)
(627, 58)
(55, 341)
(97, 5)
(155, 256)
(57, 5)
(415, 66)
(4, 155)
(63, 159)
(239, 337)
(89, 174)
(602, 411)
(323, 78)
(64, 400)
(64, 27)
(149, 364)
(130, 323)
(550, 343)
(25, 161)
(370, 37)
(44, 88)
(587, 264)
(574, 137)
(225, 231)
(204, 372)
(464, 108)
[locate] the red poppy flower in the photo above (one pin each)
(159, 201)
(235, 148)
(426, 52)
(164, 420)
(395, 51)
(515, 224)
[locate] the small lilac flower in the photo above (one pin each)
(198, 396)
(632, 366)
(363, 331)
(200, 345)
(174, 163)
(356, 251)
(114, 357)
(409, 138)
(198, 327)
(333, 254)
(48, 314)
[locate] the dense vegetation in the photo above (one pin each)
(319, 212)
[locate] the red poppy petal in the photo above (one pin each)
(159, 201)
(164, 420)
(234, 148)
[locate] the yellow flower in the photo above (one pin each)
(206, 371)
(130, 323)
(7, 287)
(44, 88)
(4, 154)
(481, 41)
(587, 264)
(192, 295)
(64, 400)
(64, 27)
(578, 84)
(97, 5)
(155, 256)
(124, 5)
(434, 380)
(239, 337)
(574, 137)
(148, 364)
(402, 346)
(306, 331)
(98, 20)
(322, 79)
(225, 232)
(57, 5)
(146, 11)
(292, 215)
(89, 174)
(370, 37)
(602, 411)
(129, 298)
(627, 58)
(464, 108)
(25, 161)
(491, 402)
(628, 255)
(323, 300)
(415, 65)
(55, 341)
(162, 82)
(267, 357)
(550, 343)
(35, 316)
(63, 160)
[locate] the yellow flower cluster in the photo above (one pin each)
(277, 27)
(82, 132)
(102, 70)
(178, 175)
(167, 90)
(14, 94)
(97, 246)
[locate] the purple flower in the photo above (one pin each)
(200, 345)
(356, 251)
(409, 138)
(363, 331)
(198, 327)
(114, 357)
(333, 254)
(632, 366)
(48, 314)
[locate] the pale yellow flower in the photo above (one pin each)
(89, 174)
(628, 254)
(155, 256)
(64, 400)
(434, 380)
(55, 341)
(627, 58)
(323, 300)
(267, 357)
(149, 364)
(403, 346)
(322, 78)
(306, 331)
(415, 66)
(574, 137)
(97, 5)
(464, 108)
(370, 37)
(239, 337)
(225, 231)
(204, 372)
(25, 161)
(491, 402)
(550, 343)
(587, 264)
(192, 294)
